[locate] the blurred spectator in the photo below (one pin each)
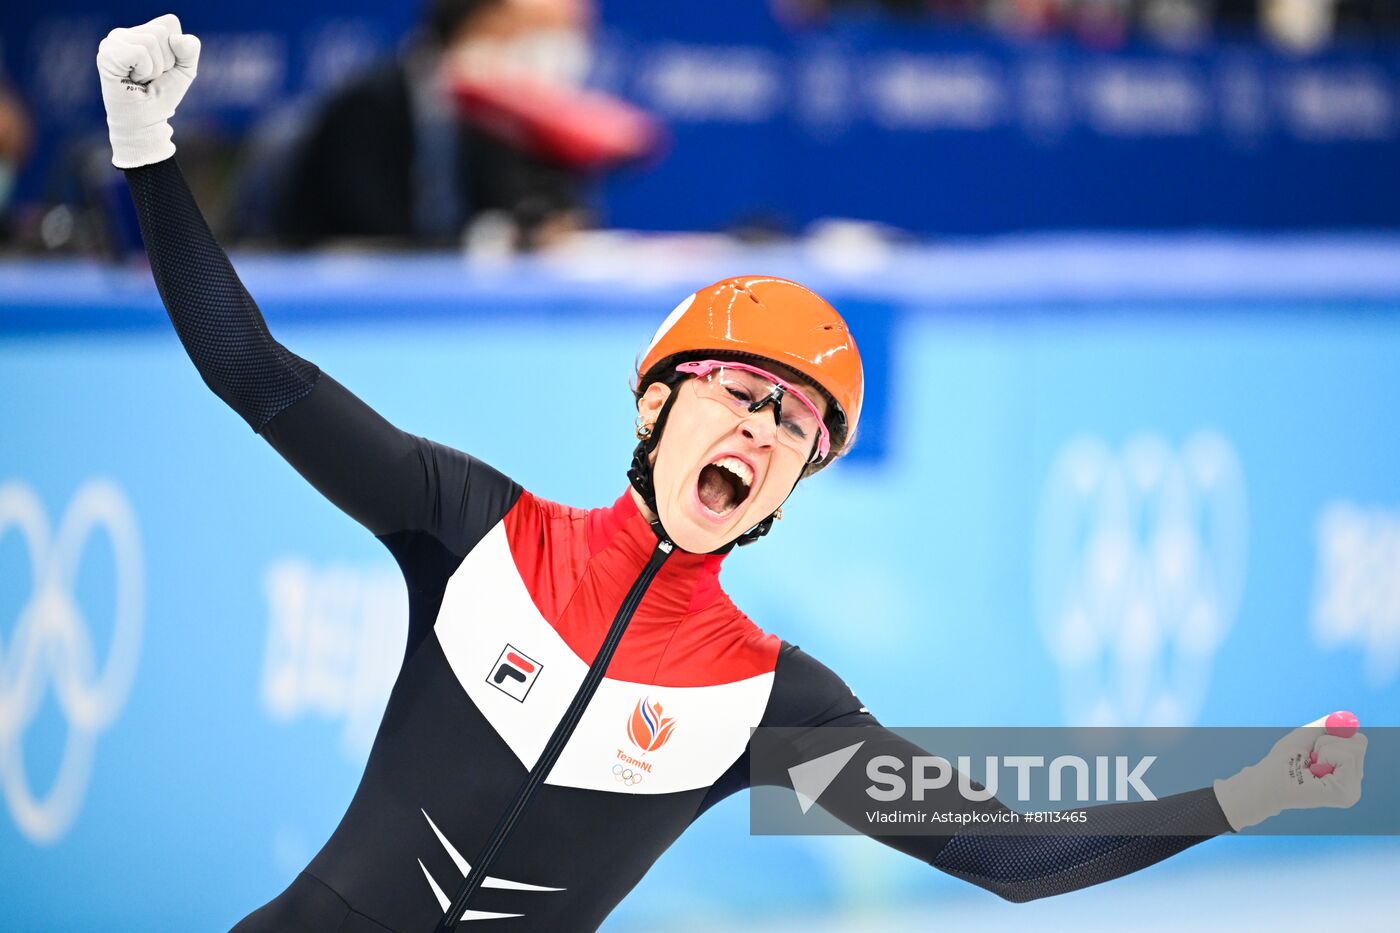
(16, 137)
(1303, 25)
(388, 156)
(1306, 25)
(1177, 22)
(1300, 24)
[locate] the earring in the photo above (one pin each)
(643, 430)
(778, 515)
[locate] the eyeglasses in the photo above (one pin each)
(747, 389)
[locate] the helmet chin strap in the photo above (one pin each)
(639, 474)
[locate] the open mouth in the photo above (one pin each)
(724, 485)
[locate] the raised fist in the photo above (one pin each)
(1286, 778)
(145, 72)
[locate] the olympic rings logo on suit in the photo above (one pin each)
(1138, 569)
(50, 646)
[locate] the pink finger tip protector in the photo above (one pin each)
(1343, 724)
(1319, 768)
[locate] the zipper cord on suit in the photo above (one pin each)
(555, 746)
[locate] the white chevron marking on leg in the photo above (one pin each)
(442, 900)
(466, 869)
(445, 903)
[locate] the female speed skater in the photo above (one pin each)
(577, 688)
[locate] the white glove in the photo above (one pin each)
(1283, 781)
(145, 72)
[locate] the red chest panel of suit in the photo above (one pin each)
(527, 610)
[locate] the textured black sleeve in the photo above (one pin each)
(1136, 835)
(222, 329)
(387, 479)
(390, 481)
(809, 697)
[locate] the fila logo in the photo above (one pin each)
(514, 673)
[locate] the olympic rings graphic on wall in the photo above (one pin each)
(626, 775)
(50, 646)
(1139, 566)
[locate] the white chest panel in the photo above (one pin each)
(633, 738)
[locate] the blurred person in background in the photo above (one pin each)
(1308, 25)
(1302, 25)
(749, 386)
(389, 157)
(1098, 23)
(16, 138)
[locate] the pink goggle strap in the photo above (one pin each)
(705, 367)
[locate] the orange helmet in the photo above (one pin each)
(772, 318)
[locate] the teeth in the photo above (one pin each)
(738, 467)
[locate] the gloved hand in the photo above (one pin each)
(1283, 781)
(145, 73)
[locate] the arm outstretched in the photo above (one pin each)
(1023, 866)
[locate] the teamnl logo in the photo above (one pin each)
(51, 651)
(891, 778)
(648, 729)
